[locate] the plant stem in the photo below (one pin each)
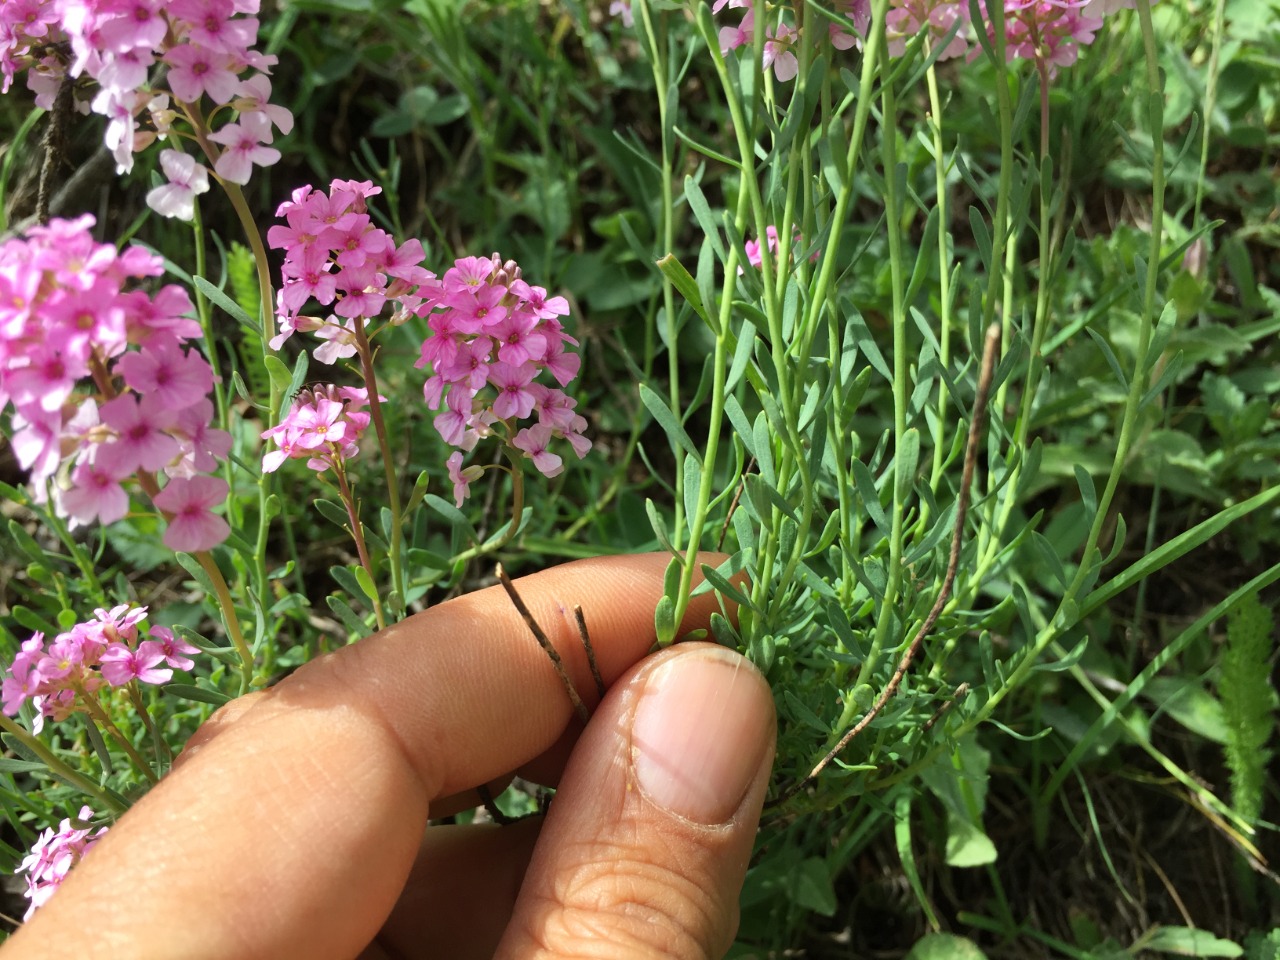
(357, 533)
(662, 85)
(388, 465)
(58, 768)
(95, 711)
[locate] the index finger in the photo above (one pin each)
(291, 832)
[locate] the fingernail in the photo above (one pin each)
(701, 727)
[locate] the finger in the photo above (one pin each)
(294, 827)
(460, 893)
(646, 845)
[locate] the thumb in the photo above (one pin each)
(646, 845)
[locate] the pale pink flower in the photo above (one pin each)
(95, 494)
(777, 54)
(244, 147)
(533, 441)
(187, 179)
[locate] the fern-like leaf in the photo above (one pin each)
(242, 283)
(1248, 703)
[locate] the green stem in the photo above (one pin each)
(517, 511)
(1066, 615)
(357, 532)
(99, 716)
(58, 768)
(662, 86)
(229, 617)
(388, 465)
(901, 386)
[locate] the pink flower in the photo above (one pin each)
(95, 493)
(514, 398)
(195, 70)
(177, 378)
(533, 441)
(142, 442)
(462, 477)
(54, 855)
(193, 527)
(173, 648)
(120, 665)
(777, 53)
(245, 146)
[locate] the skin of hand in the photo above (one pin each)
(294, 824)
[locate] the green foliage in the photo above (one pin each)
(1248, 702)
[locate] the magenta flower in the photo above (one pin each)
(193, 527)
(323, 426)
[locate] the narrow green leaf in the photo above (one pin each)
(1112, 362)
(683, 281)
(667, 420)
(186, 691)
(225, 303)
(350, 619)
(334, 513)
(1190, 942)
(1171, 550)
(367, 586)
(725, 587)
(192, 566)
(866, 487)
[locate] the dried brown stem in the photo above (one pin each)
(733, 504)
(591, 651)
(54, 144)
(989, 349)
(543, 642)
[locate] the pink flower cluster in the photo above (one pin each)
(53, 856)
(100, 652)
(323, 427)
(780, 39)
(1048, 32)
(205, 47)
(492, 335)
(336, 257)
(68, 322)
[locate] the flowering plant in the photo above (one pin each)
(831, 336)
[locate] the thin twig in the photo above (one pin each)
(950, 702)
(733, 504)
(989, 349)
(591, 651)
(491, 807)
(543, 642)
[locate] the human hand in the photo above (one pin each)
(293, 825)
